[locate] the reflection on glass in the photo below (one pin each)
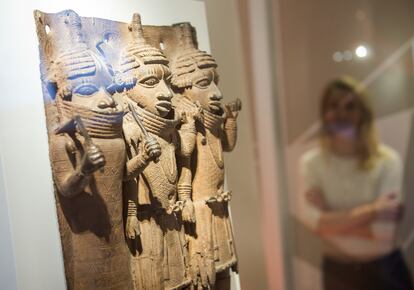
(361, 51)
(353, 198)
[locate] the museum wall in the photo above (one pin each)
(261, 209)
(226, 42)
(7, 265)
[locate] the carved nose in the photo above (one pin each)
(164, 96)
(107, 103)
(216, 96)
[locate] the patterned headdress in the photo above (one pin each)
(138, 52)
(74, 60)
(189, 59)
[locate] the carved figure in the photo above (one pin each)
(87, 154)
(211, 243)
(155, 190)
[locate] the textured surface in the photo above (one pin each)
(211, 243)
(103, 80)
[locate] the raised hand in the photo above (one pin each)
(195, 113)
(232, 109)
(92, 160)
(151, 149)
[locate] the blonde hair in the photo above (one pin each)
(368, 150)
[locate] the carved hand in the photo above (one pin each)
(151, 149)
(195, 113)
(132, 227)
(188, 212)
(232, 109)
(92, 160)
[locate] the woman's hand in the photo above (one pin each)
(315, 197)
(388, 207)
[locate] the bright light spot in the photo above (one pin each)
(338, 56)
(361, 51)
(47, 29)
(347, 55)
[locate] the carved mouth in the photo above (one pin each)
(214, 105)
(163, 106)
(110, 110)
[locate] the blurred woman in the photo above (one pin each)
(353, 195)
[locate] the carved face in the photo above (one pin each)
(151, 91)
(204, 90)
(94, 95)
(88, 79)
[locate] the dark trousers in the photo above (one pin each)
(386, 273)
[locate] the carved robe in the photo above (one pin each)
(212, 244)
(161, 250)
(91, 225)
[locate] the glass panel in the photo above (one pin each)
(345, 190)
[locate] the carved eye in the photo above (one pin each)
(203, 83)
(85, 90)
(150, 82)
